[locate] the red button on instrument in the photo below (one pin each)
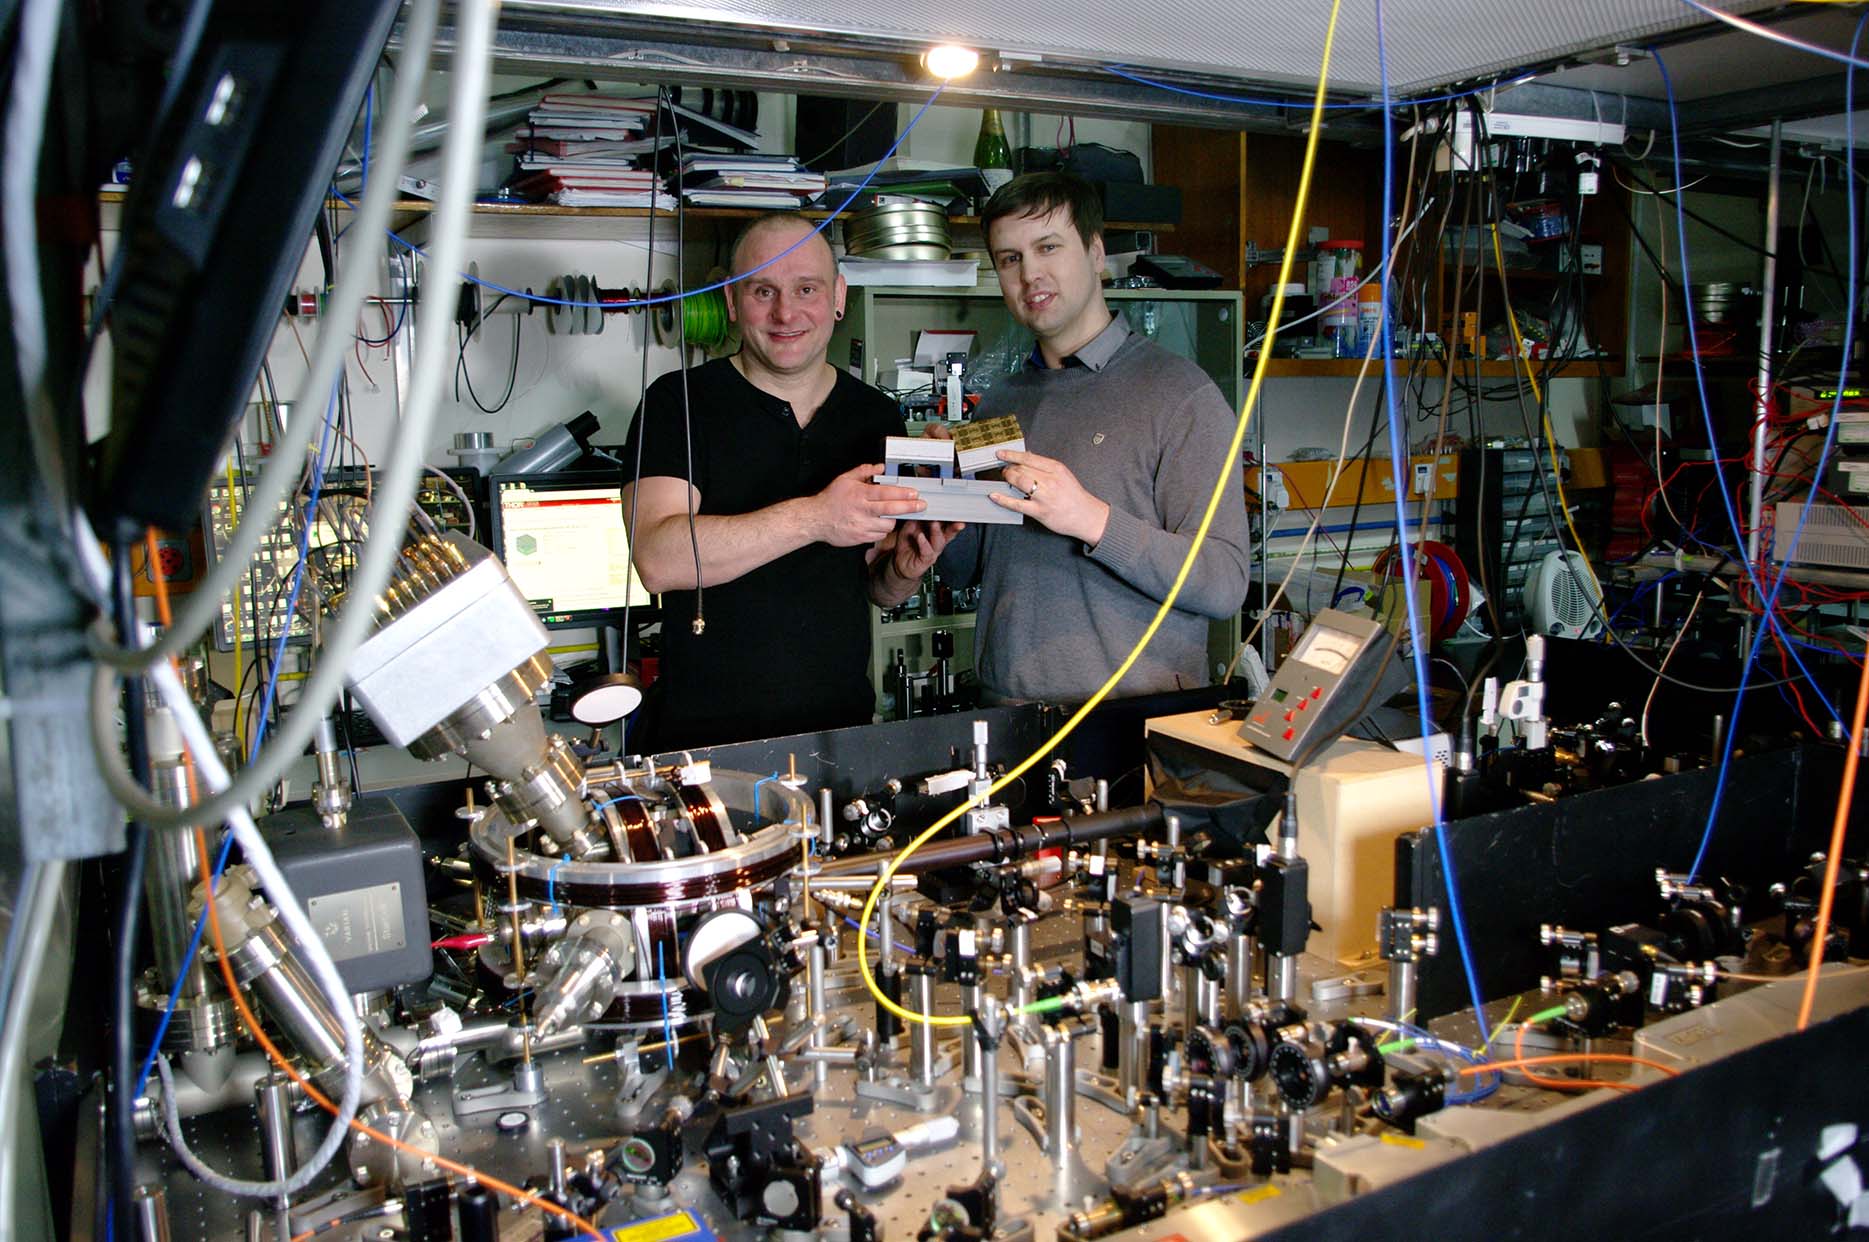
(1289, 734)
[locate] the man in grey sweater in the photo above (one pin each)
(1124, 440)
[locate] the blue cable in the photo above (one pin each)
(1398, 457)
(659, 299)
(272, 682)
(764, 780)
(1359, 105)
(298, 579)
(1769, 616)
(1769, 613)
(551, 884)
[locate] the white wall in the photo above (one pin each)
(948, 134)
(1309, 413)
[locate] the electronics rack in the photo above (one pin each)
(269, 574)
(273, 562)
(1502, 523)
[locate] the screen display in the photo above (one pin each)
(566, 546)
(1327, 649)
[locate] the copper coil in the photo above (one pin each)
(704, 814)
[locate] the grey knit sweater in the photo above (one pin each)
(1146, 431)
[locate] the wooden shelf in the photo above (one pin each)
(520, 210)
(1347, 368)
(410, 207)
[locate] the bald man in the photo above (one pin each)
(771, 450)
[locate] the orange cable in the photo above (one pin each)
(1522, 1063)
(1837, 829)
(522, 1197)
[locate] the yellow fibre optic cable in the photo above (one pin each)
(1220, 492)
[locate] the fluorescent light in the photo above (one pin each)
(949, 61)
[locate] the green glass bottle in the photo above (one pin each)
(991, 155)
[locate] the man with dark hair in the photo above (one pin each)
(755, 515)
(1123, 443)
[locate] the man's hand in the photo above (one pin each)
(936, 431)
(1053, 496)
(852, 511)
(918, 545)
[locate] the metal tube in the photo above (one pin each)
(174, 868)
(1768, 311)
(988, 1044)
(972, 997)
(152, 1214)
(1060, 1095)
(1004, 844)
(825, 809)
(273, 1102)
(1239, 974)
(886, 934)
(822, 1058)
(821, 883)
(1282, 976)
(924, 1034)
(1206, 999)
(290, 996)
(1401, 990)
(1019, 991)
(820, 1014)
(272, 1099)
(1130, 1067)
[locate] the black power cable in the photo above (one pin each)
(466, 335)
(687, 417)
(633, 479)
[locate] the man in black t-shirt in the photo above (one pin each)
(771, 451)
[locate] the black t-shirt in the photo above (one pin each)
(786, 646)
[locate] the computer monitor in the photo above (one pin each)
(564, 541)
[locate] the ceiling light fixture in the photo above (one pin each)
(949, 61)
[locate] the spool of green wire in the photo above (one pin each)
(703, 319)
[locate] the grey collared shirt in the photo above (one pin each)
(1096, 353)
(1146, 431)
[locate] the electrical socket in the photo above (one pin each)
(1272, 487)
(1424, 478)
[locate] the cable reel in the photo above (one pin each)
(704, 322)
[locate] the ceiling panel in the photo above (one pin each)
(1430, 42)
(1727, 62)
